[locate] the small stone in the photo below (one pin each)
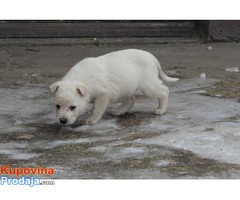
(203, 75)
(218, 95)
(232, 69)
(25, 136)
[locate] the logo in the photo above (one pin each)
(30, 181)
(6, 170)
(24, 176)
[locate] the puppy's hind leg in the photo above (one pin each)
(99, 107)
(160, 92)
(124, 107)
(163, 100)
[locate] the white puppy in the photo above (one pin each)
(114, 77)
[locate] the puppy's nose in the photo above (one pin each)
(63, 120)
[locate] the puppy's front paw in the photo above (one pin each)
(91, 121)
(115, 113)
(160, 112)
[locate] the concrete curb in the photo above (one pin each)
(96, 41)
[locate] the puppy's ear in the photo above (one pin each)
(82, 89)
(54, 87)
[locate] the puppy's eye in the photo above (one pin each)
(58, 106)
(72, 107)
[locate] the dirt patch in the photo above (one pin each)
(186, 164)
(141, 135)
(235, 118)
(133, 119)
(225, 90)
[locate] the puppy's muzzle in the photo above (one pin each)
(63, 121)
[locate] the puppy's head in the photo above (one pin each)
(71, 100)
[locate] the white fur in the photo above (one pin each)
(113, 77)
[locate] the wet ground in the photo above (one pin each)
(198, 137)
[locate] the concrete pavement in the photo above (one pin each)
(198, 137)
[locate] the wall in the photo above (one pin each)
(221, 30)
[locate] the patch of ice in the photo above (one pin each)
(220, 144)
(24, 156)
(13, 151)
(132, 150)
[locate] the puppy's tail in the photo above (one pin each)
(164, 76)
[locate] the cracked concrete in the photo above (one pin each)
(198, 137)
